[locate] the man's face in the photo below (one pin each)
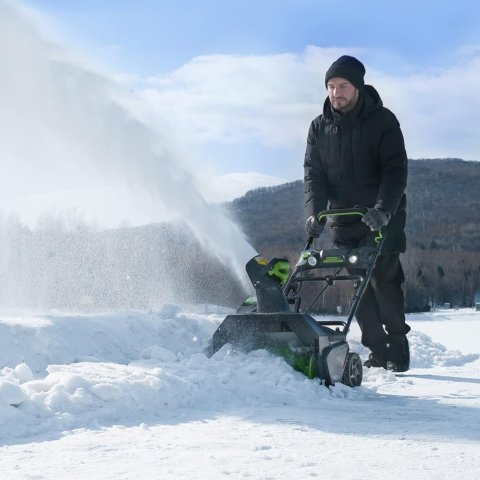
(342, 94)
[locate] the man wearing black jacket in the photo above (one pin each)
(356, 156)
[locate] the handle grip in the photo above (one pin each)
(342, 212)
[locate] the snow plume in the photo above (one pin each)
(65, 264)
(70, 139)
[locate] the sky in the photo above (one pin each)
(247, 76)
(149, 37)
(233, 86)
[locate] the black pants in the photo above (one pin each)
(381, 310)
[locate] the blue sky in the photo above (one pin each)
(233, 86)
(149, 37)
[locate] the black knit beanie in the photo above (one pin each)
(349, 68)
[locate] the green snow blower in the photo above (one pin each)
(275, 319)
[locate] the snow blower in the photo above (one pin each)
(275, 319)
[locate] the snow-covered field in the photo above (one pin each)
(131, 395)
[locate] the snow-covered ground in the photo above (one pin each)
(131, 395)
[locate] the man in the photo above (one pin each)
(356, 156)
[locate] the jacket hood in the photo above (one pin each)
(368, 101)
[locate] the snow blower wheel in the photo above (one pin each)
(353, 372)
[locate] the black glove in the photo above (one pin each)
(376, 218)
(313, 227)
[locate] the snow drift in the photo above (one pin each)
(62, 372)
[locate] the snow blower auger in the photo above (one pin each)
(275, 318)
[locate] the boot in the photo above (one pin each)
(398, 353)
(378, 357)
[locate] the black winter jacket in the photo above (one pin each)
(358, 158)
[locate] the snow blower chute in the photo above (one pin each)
(276, 320)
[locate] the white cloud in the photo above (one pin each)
(221, 188)
(438, 109)
(271, 99)
(225, 98)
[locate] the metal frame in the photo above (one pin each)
(297, 278)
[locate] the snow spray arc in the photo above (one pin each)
(68, 133)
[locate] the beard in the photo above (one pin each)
(344, 105)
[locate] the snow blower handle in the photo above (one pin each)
(341, 212)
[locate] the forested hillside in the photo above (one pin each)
(442, 263)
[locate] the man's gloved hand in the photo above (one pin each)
(313, 227)
(376, 218)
